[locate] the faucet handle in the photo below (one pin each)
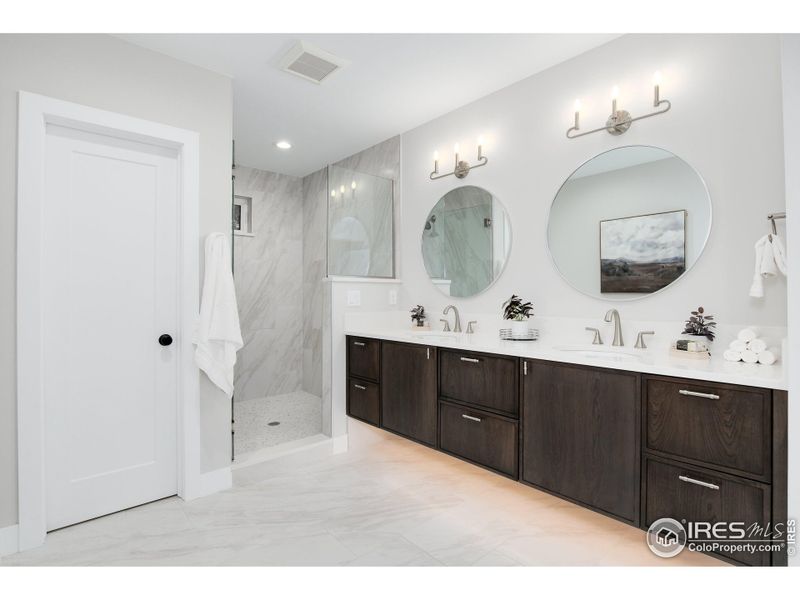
(596, 340)
(640, 339)
(446, 324)
(470, 329)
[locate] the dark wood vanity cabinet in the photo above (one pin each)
(580, 435)
(635, 447)
(715, 453)
(408, 391)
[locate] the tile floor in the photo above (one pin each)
(299, 415)
(387, 501)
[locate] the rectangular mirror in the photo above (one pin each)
(360, 224)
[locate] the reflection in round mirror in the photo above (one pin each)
(465, 241)
(629, 222)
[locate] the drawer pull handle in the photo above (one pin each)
(711, 486)
(359, 387)
(698, 394)
(472, 360)
(471, 418)
(359, 344)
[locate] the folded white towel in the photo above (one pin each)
(757, 287)
(779, 253)
(749, 357)
(738, 345)
(769, 357)
(757, 345)
(747, 334)
(732, 355)
(218, 336)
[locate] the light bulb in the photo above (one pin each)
(435, 155)
(480, 140)
(615, 92)
(577, 105)
(341, 190)
(657, 78)
(333, 193)
(455, 148)
(283, 145)
(353, 185)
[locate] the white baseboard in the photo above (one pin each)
(214, 481)
(340, 444)
(9, 540)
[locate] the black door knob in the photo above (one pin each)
(165, 339)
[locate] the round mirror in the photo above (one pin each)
(629, 222)
(465, 241)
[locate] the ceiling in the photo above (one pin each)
(393, 83)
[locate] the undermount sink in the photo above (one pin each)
(442, 336)
(601, 352)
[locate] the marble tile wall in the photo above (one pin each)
(268, 270)
(314, 191)
(381, 160)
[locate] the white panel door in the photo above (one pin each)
(110, 264)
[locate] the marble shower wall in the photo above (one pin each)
(381, 160)
(315, 226)
(268, 269)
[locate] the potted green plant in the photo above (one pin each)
(516, 310)
(699, 324)
(418, 315)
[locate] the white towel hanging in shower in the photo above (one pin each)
(218, 336)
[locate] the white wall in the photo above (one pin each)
(713, 81)
(790, 51)
(110, 74)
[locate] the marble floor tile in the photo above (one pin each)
(386, 501)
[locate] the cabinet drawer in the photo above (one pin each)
(726, 427)
(480, 437)
(677, 491)
(363, 400)
(364, 358)
(486, 381)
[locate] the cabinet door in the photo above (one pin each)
(408, 391)
(581, 433)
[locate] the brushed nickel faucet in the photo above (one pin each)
(613, 314)
(457, 325)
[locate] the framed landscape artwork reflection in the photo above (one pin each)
(643, 253)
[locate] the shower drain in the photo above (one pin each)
(273, 423)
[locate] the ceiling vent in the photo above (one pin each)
(311, 63)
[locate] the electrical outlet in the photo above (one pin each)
(353, 297)
(392, 297)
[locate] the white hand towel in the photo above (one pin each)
(768, 357)
(738, 345)
(732, 355)
(779, 253)
(757, 287)
(747, 334)
(749, 357)
(757, 345)
(218, 336)
(768, 266)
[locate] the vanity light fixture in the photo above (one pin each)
(620, 120)
(461, 168)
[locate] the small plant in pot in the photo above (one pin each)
(516, 310)
(418, 315)
(700, 324)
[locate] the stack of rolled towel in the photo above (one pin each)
(749, 348)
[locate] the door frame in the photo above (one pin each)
(35, 113)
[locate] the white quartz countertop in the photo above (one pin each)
(657, 361)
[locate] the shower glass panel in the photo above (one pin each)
(360, 224)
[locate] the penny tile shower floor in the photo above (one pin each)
(299, 415)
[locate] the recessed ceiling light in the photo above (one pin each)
(283, 145)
